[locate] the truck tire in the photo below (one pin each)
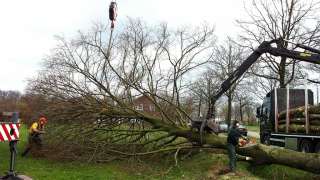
(306, 146)
(265, 139)
(317, 148)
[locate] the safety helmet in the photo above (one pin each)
(43, 120)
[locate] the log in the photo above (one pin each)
(295, 128)
(262, 154)
(299, 112)
(298, 117)
(301, 121)
(314, 116)
(293, 121)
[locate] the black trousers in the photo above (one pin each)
(232, 156)
(34, 141)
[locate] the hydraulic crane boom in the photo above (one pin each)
(264, 47)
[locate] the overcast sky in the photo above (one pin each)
(28, 27)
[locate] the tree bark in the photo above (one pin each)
(229, 109)
(199, 108)
(282, 70)
(263, 154)
(240, 109)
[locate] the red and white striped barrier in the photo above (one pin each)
(9, 131)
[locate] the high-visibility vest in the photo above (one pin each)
(35, 126)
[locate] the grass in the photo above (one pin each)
(46, 169)
(202, 165)
(274, 171)
(255, 128)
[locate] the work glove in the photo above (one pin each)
(242, 142)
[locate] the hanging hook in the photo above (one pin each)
(113, 13)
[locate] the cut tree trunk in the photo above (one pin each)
(263, 154)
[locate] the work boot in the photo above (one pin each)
(25, 153)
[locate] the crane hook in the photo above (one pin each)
(113, 13)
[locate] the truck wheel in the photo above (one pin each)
(306, 146)
(265, 140)
(317, 148)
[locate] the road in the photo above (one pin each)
(250, 134)
(253, 134)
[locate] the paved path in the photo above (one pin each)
(253, 134)
(24, 177)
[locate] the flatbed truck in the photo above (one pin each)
(284, 100)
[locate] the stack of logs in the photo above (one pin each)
(297, 120)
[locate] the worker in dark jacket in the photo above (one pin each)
(232, 142)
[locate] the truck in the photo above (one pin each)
(285, 100)
(269, 129)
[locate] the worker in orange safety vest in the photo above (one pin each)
(35, 131)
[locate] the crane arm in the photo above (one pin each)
(302, 56)
(265, 47)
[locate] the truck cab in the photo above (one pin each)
(264, 115)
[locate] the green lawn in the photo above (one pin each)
(255, 128)
(203, 165)
(46, 169)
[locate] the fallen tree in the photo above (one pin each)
(91, 95)
(261, 154)
(121, 142)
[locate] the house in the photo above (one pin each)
(144, 104)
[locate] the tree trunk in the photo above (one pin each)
(282, 72)
(261, 154)
(229, 109)
(199, 108)
(240, 109)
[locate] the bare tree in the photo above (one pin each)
(293, 20)
(226, 60)
(9, 100)
(153, 62)
(202, 89)
(31, 106)
(245, 103)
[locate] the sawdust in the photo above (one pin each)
(221, 171)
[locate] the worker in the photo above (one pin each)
(232, 142)
(35, 131)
